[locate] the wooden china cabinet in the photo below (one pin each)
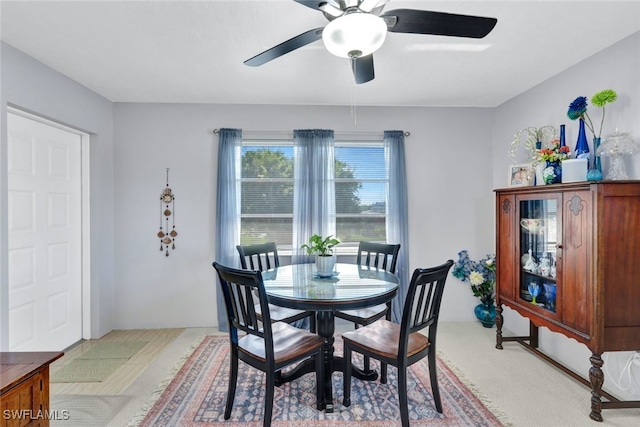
(568, 259)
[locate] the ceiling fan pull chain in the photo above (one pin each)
(354, 115)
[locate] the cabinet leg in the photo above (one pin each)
(596, 376)
(533, 335)
(499, 320)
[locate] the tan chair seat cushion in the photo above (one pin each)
(382, 337)
(288, 342)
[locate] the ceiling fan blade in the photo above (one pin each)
(330, 9)
(285, 47)
(313, 4)
(363, 68)
(370, 5)
(438, 23)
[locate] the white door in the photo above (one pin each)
(45, 235)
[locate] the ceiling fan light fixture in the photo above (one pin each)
(355, 34)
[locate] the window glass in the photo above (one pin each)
(267, 188)
(266, 207)
(361, 195)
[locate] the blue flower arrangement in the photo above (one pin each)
(480, 274)
(578, 108)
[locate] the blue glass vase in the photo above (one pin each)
(550, 295)
(582, 146)
(595, 173)
(563, 141)
(486, 314)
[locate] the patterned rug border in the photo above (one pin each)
(157, 394)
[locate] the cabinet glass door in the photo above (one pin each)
(538, 239)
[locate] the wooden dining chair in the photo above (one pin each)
(375, 255)
(262, 257)
(403, 345)
(266, 346)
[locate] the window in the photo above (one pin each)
(267, 186)
(361, 192)
(266, 206)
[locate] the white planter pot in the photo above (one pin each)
(325, 264)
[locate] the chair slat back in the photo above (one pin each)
(240, 289)
(378, 255)
(422, 305)
(261, 257)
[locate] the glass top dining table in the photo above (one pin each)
(350, 287)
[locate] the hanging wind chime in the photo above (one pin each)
(167, 237)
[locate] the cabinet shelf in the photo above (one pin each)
(547, 278)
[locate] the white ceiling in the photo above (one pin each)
(193, 51)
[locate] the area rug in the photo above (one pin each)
(195, 396)
(97, 363)
(113, 350)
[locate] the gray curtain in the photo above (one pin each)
(398, 213)
(314, 206)
(227, 209)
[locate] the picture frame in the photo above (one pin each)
(520, 175)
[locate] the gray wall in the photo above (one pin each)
(31, 86)
(450, 198)
(617, 67)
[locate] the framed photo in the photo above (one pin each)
(520, 175)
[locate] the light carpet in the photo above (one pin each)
(97, 363)
(195, 395)
(87, 411)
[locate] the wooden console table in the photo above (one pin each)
(24, 388)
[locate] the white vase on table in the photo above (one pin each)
(325, 265)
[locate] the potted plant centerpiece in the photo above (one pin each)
(323, 250)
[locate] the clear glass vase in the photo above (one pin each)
(616, 146)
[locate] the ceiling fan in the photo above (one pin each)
(357, 28)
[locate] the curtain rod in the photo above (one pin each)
(271, 132)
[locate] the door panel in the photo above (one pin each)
(45, 236)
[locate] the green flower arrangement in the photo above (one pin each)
(578, 108)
